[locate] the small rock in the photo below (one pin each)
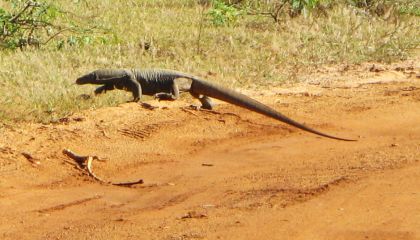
(209, 73)
(194, 214)
(209, 206)
(6, 150)
(79, 119)
(64, 120)
(375, 68)
(148, 106)
(84, 96)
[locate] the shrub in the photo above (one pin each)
(32, 23)
(223, 13)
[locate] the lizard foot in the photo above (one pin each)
(195, 107)
(164, 97)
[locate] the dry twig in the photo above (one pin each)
(85, 162)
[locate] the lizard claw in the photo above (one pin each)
(157, 96)
(164, 96)
(195, 107)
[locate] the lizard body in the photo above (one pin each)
(168, 84)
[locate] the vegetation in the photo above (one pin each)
(30, 23)
(244, 43)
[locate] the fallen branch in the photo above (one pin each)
(188, 111)
(30, 158)
(85, 162)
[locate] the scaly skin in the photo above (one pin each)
(167, 84)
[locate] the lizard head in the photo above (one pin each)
(87, 78)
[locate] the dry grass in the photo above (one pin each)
(38, 85)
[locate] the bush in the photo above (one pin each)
(223, 13)
(32, 23)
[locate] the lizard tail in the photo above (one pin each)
(227, 95)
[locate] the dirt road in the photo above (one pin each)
(229, 174)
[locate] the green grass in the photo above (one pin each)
(38, 84)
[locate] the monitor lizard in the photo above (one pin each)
(168, 84)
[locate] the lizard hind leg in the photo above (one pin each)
(206, 102)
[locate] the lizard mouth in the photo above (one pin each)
(85, 79)
(80, 81)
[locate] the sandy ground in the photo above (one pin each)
(230, 174)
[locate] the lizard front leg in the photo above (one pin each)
(129, 83)
(104, 88)
(135, 88)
